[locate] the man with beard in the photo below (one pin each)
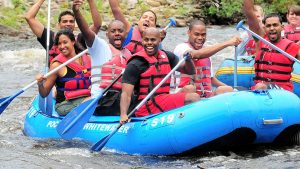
(203, 79)
(65, 21)
(108, 60)
(272, 69)
(145, 70)
(133, 41)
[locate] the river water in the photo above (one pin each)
(21, 60)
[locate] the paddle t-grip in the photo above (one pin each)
(171, 23)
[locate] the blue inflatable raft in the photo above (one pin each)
(231, 119)
(245, 73)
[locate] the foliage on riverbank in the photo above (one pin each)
(217, 12)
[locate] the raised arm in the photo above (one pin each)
(252, 20)
(211, 50)
(87, 33)
(118, 14)
(36, 26)
(97, 21)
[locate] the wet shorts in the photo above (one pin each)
(63, 108)
(165, 101)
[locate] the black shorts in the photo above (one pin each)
(109, 104)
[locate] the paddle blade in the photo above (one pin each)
(101, 143)
(4, 102)
(76, 119)
(46, 104)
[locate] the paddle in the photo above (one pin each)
(79, 116)
(46, 104)
(171, 23)
(235, 68)
(240, 25)
(4, 102)
(101, 143)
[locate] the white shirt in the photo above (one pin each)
(100, 53)
(179, 50)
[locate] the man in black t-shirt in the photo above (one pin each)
(145, 70)
(66, 20)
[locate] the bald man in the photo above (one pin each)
(145, 70)
(108, 61)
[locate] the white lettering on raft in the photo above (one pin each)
(52, 124)
(97, 127)
(163, 121)
(107, 127)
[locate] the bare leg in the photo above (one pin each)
(188, 89)
(223, 89)
(261, 86)
(191, 97)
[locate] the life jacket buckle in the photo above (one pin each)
(84, 71)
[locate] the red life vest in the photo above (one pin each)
(272, 66)
(135, 44)
(158, 69)
(251, 47)
(112, 69)
(202, 78)
(77, 86)
(292, 32)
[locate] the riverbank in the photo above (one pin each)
(20, 61)
(217, 12)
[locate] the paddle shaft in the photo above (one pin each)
(101, 143)
(267, 42)
(235, 67)
(48, 36)
(167, 26)
(56, 69)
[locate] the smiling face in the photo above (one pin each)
(293, 18)
(151, 40)
(116, 34)
(148, 19)
(67, 22)
(273, 28)
(66, 45)
(197, 36)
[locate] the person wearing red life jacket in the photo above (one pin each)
(66, 20)
(203, 80)
(271, 67)
(292, 29)
(72, 81)
(133, 41)
(108, 61)
(144, 71)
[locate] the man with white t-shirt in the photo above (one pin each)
(203, 80)
(108, 61)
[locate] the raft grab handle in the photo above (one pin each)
(273, 121)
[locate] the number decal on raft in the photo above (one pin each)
(162, 121)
